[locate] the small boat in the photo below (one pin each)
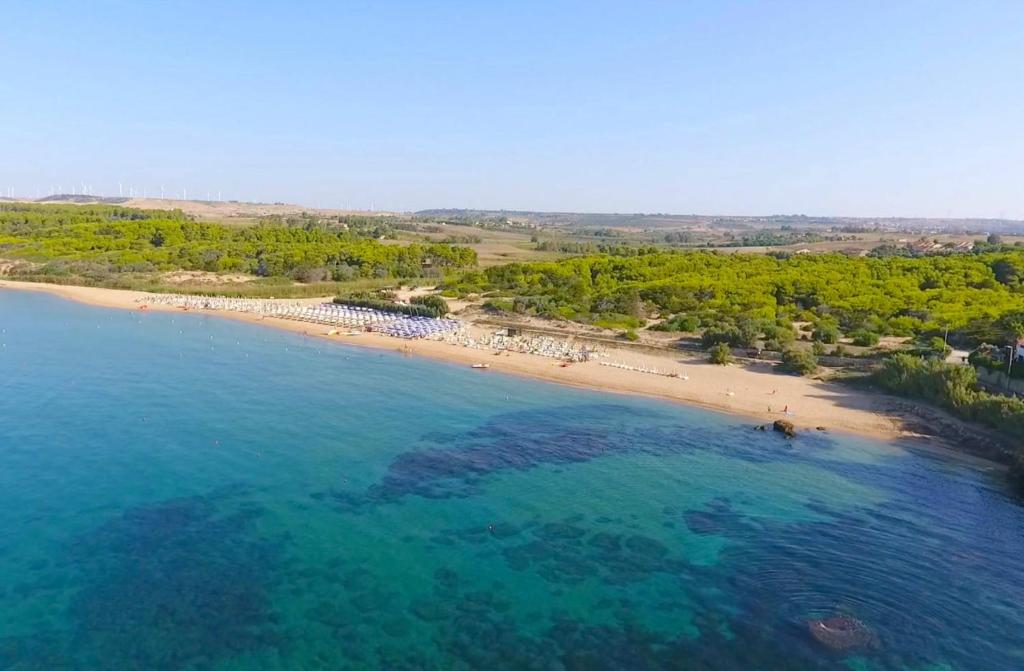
(332, 332)
(479, 366)
(353, 333)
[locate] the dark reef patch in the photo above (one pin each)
(172, 585)
(458, 465)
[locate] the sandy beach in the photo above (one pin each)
(755, 391)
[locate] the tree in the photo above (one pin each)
(721, 354)
(747, 331)
(1008, 271)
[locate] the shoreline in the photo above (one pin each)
(746, 391)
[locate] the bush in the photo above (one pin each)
(685, 323)
(955, 388)
(630, 335)
(498, 305)
(779, 333)
(387, 306)
(799, 361)
(817, 348)
(826, 332)
(308, 275)
(720, 354)
(436, 303)
(718, 335)
(939, 347)
(864, 338)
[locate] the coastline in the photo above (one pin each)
(747, 391)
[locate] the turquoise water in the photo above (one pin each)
(184, 492)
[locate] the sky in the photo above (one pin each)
(865, 108)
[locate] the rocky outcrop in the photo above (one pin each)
(785, 427)
(842, 633)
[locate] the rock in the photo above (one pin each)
(759, 427)
(821, 428)
(785, 427)
(842, 633)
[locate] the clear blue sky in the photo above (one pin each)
(824, 107)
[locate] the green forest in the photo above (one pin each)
(98, 239)
(734, 298)
(976, 296)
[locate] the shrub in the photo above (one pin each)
(817, 348)
(780, 333)
(498, 305)
(721, 354)
(436, 303)
(799, 361)
(955, 388)
(865, 338)
(939, 347)
(387, 306)
(718, 335)
(630, 335)
(826, 332)
(685, 323)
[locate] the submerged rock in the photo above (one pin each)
(842, 633)
(785, 427)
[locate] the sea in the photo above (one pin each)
(180, 491)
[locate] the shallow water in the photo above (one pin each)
(185, 492)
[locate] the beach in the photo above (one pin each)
(754, 391)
